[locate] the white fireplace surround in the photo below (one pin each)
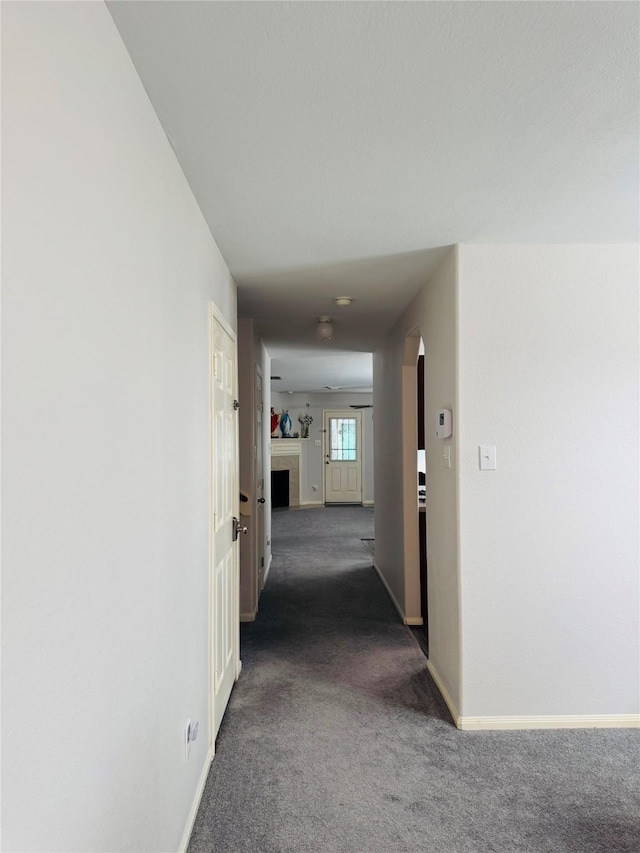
(285, 455)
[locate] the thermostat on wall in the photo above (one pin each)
(443, 429)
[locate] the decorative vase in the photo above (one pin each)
(285, 425)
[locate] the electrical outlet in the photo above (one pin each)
(190, 734)
(187, 740)
(446, 455)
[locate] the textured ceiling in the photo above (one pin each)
(338, 147)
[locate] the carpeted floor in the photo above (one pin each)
(335, 740)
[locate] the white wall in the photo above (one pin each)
(548, 339)
(388, 463)
(312, 467)
(432, 315)
(108, 274)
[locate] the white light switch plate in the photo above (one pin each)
(487, 457)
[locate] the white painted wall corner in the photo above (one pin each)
(394, 600)
(414, 621)
(444, 693)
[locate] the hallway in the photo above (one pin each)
(336, 741)
(316, 185)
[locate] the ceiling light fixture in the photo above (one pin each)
(343, 300)
(324, 329)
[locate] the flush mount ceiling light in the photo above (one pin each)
(343, 300)
(324, 329)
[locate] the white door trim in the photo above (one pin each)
(215, 315)
(259, 489)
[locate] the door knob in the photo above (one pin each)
(237, 528)
(261, 500)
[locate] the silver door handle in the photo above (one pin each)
(237, 529)
(261, 500)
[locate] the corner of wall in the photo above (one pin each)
(457, 267)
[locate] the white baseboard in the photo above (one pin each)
(582, 721)
(388, 589)
(311, 503)
(249, 617)
(586, 721)
(195, 805)
(406, 620)
(266, 571)
(367, 503)
(451, 705)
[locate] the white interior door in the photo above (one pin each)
(343, 457)
(259, 480)
(225, 593)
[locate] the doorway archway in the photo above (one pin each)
(411, 530)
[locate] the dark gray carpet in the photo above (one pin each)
(336, 741)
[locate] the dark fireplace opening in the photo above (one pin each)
(279, 488)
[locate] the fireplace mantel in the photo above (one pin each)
(287, 446)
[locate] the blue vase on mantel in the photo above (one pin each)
(285, 425)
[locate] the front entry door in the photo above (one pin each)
(343, 457)
(225, 594)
